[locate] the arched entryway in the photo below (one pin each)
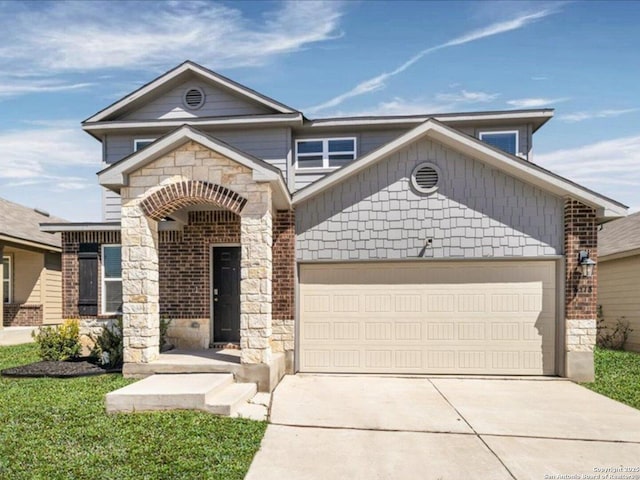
(146, 204)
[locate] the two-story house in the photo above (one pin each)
(404, 244)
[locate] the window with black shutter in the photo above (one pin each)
(88, 279)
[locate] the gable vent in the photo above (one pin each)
(425, 178)
(193, 98)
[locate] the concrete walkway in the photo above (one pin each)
(366, 427)
(16, 335)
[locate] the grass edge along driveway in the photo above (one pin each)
(58, 429)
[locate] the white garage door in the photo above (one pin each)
(428, 317)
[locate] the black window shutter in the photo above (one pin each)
(88, 278)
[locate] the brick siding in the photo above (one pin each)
(187, 193)
(22, 315)
(70, 289)
(184, 262)
(284, 238)
(580, 233)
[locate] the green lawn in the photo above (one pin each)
(58, 429)
(617, 376)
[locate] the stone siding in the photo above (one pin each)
(477, 212)
(284, 264)
(22, 315)
(205, 170)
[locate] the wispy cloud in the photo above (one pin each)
(36, 86)
(581, 116)
(611, 167)
(378, 82)
(535, 102)
(441, 102)
(467, 97)
(82, 36)
(34, 153)
(539, 78)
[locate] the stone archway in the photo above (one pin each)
(194, 175)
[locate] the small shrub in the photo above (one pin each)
(614, 337)
(108, 345)
(58, 343)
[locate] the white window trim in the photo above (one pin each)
(492, 132)
(140, 140)
(8, 280)
(104, 279)
(325, 151)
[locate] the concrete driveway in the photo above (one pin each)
(367, 427)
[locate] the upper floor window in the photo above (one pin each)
(111, 279)
(140, 143)
(325, 152)
(507, 140)
(6, 279)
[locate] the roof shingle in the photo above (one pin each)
(23, 223)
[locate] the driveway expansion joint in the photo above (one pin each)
(363, 429)
(473, 430)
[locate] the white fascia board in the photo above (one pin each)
(167, 77)
(477, 150)
(262, 120)
(527, 172)
(448, 118)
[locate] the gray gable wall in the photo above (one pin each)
(270, 144)
(218, 103)
(369, 140)
(477, 212)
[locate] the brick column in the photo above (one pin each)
(580, 233)
(140, 286)
(2, 278)
(284, 264)
(255, 284)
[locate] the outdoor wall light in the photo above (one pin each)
(586, 264)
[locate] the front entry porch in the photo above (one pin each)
(182, 361)
(197, 241)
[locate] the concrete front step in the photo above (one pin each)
(228, 400)
(213, 392)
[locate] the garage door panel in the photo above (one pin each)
(373, 318)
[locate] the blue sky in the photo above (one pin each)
(60, 62)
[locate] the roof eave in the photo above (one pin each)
(29, 243)
(605, 208)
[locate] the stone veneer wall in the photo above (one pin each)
(284, 264)
(207, 171)
(581, 233)
(22, 315)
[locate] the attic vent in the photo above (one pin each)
(425, 178)
(42, 212)
(193, 98)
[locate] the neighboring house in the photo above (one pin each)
(405, 244)
(619, 275)
(31, 268)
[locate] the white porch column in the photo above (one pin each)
(255, 285)
(140, 286)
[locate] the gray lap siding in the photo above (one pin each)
(477, 212)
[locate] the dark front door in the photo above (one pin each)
(226, 294)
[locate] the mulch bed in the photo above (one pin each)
(78, 367)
